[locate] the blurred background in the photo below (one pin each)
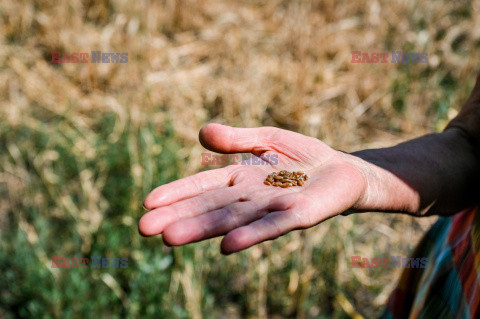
(82, 144)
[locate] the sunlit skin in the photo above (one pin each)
(234, 201)
(433, 174)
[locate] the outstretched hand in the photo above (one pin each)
(233, 201)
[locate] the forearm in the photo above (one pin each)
(434, 174)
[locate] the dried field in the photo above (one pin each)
(81, 144)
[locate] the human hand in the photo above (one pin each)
(233, 201)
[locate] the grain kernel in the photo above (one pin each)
(286, 179)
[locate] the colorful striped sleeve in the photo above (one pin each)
(449, 286)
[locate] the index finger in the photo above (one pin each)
(188, 187)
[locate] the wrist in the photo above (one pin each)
(433, 174)
(384, 191)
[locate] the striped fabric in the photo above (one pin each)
(449, 286)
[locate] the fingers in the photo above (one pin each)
(271, 226)
(226, 139)
(214, 223)
(188, 187)
(155, 221)
(287, 212)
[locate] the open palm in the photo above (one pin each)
(233, 201)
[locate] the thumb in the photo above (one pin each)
(226, 139)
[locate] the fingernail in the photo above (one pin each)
(143, 205)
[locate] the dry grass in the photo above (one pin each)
(250, 63)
